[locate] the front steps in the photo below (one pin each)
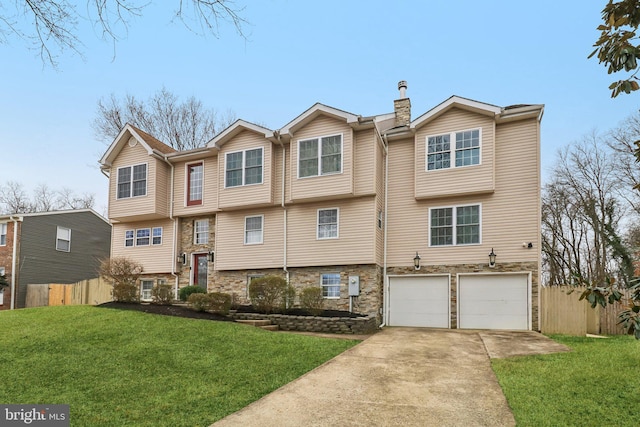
(262, 324)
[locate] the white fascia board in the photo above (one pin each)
(235, 128)
(451, 102)
(536, 110)
(119, 141)
(313, 111)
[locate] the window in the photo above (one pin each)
(156, 236)
(459, 225)
(201, 232)
(251, 278)
(143, 237)
(63, 239)
(327, 223)
(132, 181)
(194, 179)
(253, 230)
(145, 289)
(320, 156)
(128, 238)
(3, 234)
(466, 151)
(2, 289)
(243, 168)
(330, 283)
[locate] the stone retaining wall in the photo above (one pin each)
(332, 325)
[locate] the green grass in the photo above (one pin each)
(124, 368)
(597, 384)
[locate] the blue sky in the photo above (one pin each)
(347, 54)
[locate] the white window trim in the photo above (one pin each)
(195, 231)
(146, 181)
(3, 232)
(58, 229)
(244, 153)
(319, 138)
(454, 225)
(133, 238)
(187, 184)
(452, 149)
(150, 290)
(337, 236)
(339, 285)
(261, 230)
(2, 272)
(152, 236)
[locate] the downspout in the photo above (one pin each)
(284, 208)
(174, 242)
(385, 280)
(13, 261)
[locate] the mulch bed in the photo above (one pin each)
(184, 311)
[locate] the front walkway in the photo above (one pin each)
(400, 377)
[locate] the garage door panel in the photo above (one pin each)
(497, 301)
(419, 301)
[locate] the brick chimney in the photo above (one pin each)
(402, 106)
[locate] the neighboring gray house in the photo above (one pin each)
(50, 247)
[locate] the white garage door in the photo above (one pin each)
(493, 301)
(419, 301)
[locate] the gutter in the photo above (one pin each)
(13, 260)
(174, 242)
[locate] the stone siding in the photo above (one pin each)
(332, 325)
(187, 246)
(478, 268)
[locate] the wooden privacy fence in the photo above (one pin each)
(92, 291)
(561, 312)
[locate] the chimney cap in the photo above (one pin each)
(402, 84)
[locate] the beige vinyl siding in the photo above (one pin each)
(509, 217)
(364, 160)
(209, 190)
(246, 195)
(379, 185)
(155, 203)
(154, 258)
(323, 186)
(233, 254)
(462, 180)
(356, 242)
(277, 171)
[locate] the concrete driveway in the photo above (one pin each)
(401, 377)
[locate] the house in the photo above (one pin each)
(429, 222)
(50, 247)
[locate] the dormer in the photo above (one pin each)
(139, 176)
(245, 165)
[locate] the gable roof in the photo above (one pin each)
(459, 102)
(148, 142)
(314, 111)
(20, 216)
(234, 129)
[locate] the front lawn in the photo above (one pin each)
(597, 384)
(124, 368)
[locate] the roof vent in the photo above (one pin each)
(402, 87)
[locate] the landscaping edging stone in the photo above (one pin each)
(332, 325)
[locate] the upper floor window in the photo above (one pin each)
(243, 168)
(143, 237)
(465, 152)
(320, 156)
(132, 181)
(327, 223)
(3, 234)
(201, 231)
(194, 180)
(253, 230)
(156, 236)
(128, 238)
(457, 225)
(63, 239)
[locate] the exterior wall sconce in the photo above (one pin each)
(416, 261)
(183, 258)
(492, 259)
(212, 256)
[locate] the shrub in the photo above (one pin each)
(184, 293)
(125, 292)
(219, 302)
(199, 301)
(311, 299)
(162, 294)
(267, 293)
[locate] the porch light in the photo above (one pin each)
(211, 256)
(416, 261)
(492, 259)
(182, 258)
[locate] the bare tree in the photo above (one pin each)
(44, 199)
(51, 26)
(14, 199)
(623, 141)
(181, 124)
(67, 199)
